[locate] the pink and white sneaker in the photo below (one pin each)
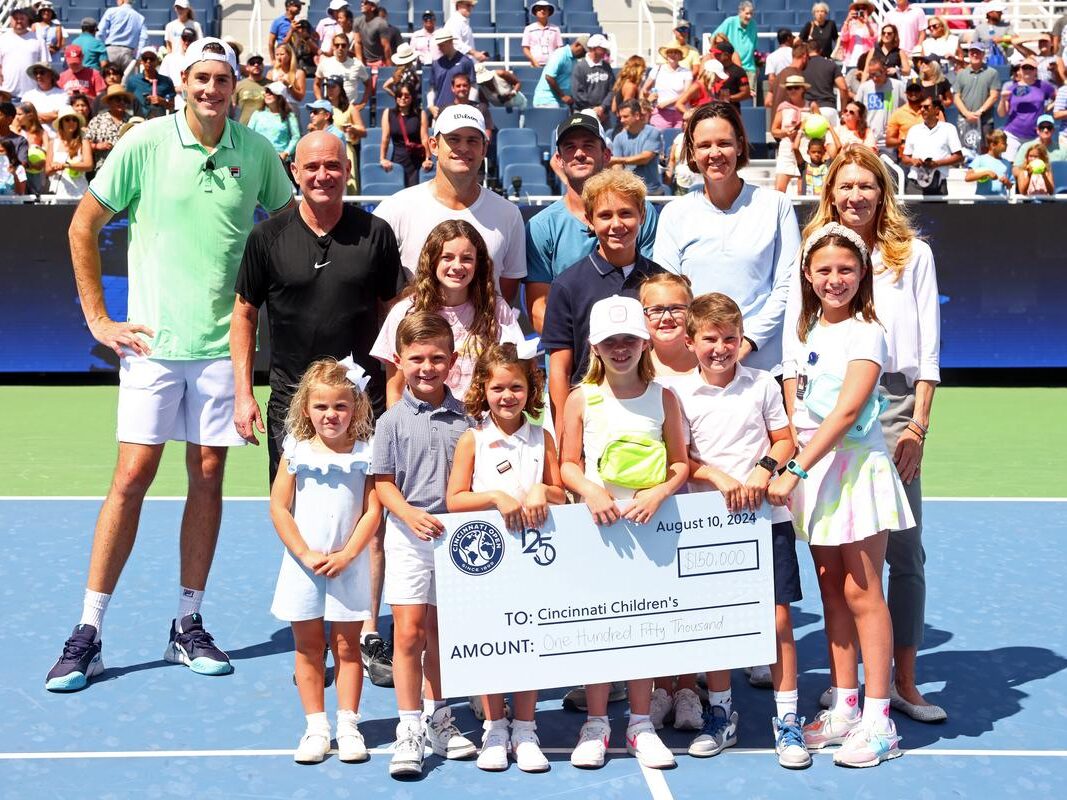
(866, 747)
(644, 743)
(828, 729)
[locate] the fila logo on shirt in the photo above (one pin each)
(235, 172)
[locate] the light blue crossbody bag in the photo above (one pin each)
(821, 397)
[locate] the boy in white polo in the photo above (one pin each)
(738, 438)
(191, 183)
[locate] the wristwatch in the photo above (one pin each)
(796, 469)
(768, 464)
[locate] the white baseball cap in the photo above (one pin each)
(597, 40)
(337, 5)
(616, 316)
(195, 52)
(276, 88)
(459, 116)
(181, 3)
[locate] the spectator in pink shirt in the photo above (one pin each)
(78, 78)
(539, 39)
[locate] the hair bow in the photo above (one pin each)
(354, 372)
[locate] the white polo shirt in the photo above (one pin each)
(728, 427)
(937, 142)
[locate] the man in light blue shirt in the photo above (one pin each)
(554, 87)
(638, 147)
(741, 31)
(123, 32)
(559, 236)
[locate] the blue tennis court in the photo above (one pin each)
(995, 657)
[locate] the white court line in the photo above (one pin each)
(657, 783)
(265, 498)
(381, 751)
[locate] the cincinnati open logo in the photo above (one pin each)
(476, 548)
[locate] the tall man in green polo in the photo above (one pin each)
(191, 183)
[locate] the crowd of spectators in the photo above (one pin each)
(866, 79)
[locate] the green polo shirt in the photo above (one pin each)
(188, 226)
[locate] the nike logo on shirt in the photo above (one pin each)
(320, 266)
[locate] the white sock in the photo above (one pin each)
(523, 725)
(875, 713)
(492, 724)
(846, 702)
(637, 719)
(189, 601)
(318, 722)
(410, 716)
(724, 699)
(93, 607)
(786, 703)
(347, 714)
(431, 707)
(603, 719)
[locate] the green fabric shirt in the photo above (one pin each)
(188, 226)
(743, 39)
(1055, 152)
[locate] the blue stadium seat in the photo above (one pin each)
(1059, 176)
(529, 173)
(773, 20)
(515, 136)
(374, 137)
(156, 18)
(575, 5)
(370, 153)
(506, 118)
(582, 22)
(527, 74)
(387, 189)
(510, 21)
(544, 122)
(373, 173)
(517, 154)
(533, 190)
(755, 121)
(778, 5)
(425, 177)
(669, 135)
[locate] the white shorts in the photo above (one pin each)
(785, 161)
(185, 401)
(409, 572)
(301, 595)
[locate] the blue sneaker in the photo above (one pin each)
(789, 742)
(718, 733)
(193, 646)
(80, 662)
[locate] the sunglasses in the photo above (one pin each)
(926, 107)
(1045, 127)
(794, 88)
(1029, 67)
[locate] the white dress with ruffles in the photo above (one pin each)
(327, 505)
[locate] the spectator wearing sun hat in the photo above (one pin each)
(46, 96)
(1022, 101)
(451, 63)
(321, 112)
(680, 38)
(78, 78)
(592, 79)
(103, 129)
(539, 39)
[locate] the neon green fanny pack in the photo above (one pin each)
(630, 460)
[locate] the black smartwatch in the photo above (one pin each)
(768, 464)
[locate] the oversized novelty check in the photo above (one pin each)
(574, 603)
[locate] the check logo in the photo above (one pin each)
(323, 264)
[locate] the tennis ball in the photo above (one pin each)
(816, 126)
(1036, 166)
(35, 158)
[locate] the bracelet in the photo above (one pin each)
(918, 433)
(919, 425)
(796, 469)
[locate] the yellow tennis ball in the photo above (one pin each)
(816, 126)
(1036, 166)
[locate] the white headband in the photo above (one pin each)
(835, 229)
(355, 373)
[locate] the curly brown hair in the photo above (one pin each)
(481, 292)
(327, 372)
(504, 355)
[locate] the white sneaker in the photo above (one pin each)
(444, 737)
(866, 747)
(789, 742)
(718, 733)
(408, 751)
(688, 712)
(526, 748)
(496, 743)
(592, 745)
(313, 747)
(351, 748)
(829, 729)
(760, 676)
(660, 708)
(650, 751)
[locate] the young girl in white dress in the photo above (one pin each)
(842, 487)
(507, 463)
(326, 512)
(619, 397)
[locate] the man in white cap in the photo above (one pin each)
(195, 179)
(459, 144)
(328, 25)
(451, 63)
(592, 79)
(20, 48)
(460, 25)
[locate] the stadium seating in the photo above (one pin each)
(385, 189)
(582, 22)
(506, 118)
(516, 136)
(1059, 176)
(510, 21)
(518, 154)
(530, 174)
(544, 121)
(372, 174)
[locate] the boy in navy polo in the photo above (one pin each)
(615, 207)
(414, 442)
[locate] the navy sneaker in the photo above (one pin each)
(377, 655)
(80, 662)
(193, 646)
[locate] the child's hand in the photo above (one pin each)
(756, 487)
(510, 509)
(334, 564)
(313, 559)
(733, 491)
(535, 506)
(781, 488)
(424, 525)
(602, 506)
(645, 505)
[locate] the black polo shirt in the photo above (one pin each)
(321, 293)
(572, 297)
(736, 79)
